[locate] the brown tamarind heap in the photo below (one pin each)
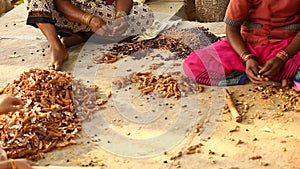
(54, 105)
(167, 84)
(181, 42)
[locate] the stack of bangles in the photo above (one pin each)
(13, 164)
(86, 19)
(246, 56)
(282, 55)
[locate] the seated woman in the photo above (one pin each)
(262, 44)
(8, 104)
(73, 19)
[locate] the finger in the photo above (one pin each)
(15, 101)
(115, 30)
(253, 71)
(255, 81)
(266, 79)
(254, 78)
(100, 32)
(117, 23)
(264, 69)
(284, 83)
(13, 108)
(259, 67)
(271, 72)
(51, 67)
(120, 29)
(57, 66)
(106, 28)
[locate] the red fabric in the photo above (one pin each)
(109, 2)
(273, 15)
(213, 63)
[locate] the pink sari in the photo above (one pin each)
(215, 63)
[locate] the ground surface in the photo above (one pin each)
(138, 131)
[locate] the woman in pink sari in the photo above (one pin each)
(262, 43)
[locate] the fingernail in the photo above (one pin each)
(52, 67)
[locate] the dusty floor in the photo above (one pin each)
(138, 131)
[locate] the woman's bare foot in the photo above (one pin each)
(58, 56)
(72, 40)
(58, 53)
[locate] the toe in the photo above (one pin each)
(66, 57)
(51, 67)
(57, 67)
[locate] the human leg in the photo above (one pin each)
(58, 53)
(40, 15)
(216, 65)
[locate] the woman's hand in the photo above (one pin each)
(98, 25)
(272, 67)
(9, 103)
(252, 69)
(19, 163)
(24, 164)
(120, 26)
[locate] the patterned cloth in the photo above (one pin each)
(44, 11)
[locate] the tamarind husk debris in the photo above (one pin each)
(166, 84)
(181, 42)
(54, 105)
(63, 167)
